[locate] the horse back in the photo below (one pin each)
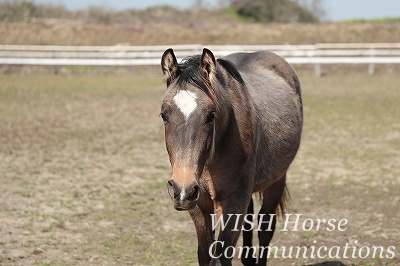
(263, 61)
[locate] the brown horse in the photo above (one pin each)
(232, 128)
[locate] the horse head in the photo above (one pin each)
(189, 112)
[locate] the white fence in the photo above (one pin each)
(124, 55)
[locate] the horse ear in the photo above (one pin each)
(169, 66)
(207, 64)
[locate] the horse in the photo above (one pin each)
(232, 128)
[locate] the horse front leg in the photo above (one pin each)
(201, 216)
(247, 258)
(232, 211)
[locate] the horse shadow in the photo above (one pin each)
(327, 263)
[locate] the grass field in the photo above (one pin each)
(83, 170)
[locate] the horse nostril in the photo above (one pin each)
(194, 193)
(173, 191)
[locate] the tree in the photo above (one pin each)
(275, 10)
(198, 4)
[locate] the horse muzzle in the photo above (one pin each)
(184, 198)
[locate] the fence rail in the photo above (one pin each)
(125, 55)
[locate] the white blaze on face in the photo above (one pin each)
(186, 102)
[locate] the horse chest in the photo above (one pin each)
(208, 185)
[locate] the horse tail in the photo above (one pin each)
(283, 202)
(282, 206)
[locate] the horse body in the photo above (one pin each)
(275, 94)
(232, 128)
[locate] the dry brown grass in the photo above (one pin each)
(23, 22)
(68, 32)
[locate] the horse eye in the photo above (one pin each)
(211, 117)
(164, 117)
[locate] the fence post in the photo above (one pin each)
(371, 69)
(317, 66)
(371, 66)
(317, 69)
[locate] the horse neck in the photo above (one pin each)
(236, 106)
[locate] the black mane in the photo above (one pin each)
(232, 70)
(189, 72)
